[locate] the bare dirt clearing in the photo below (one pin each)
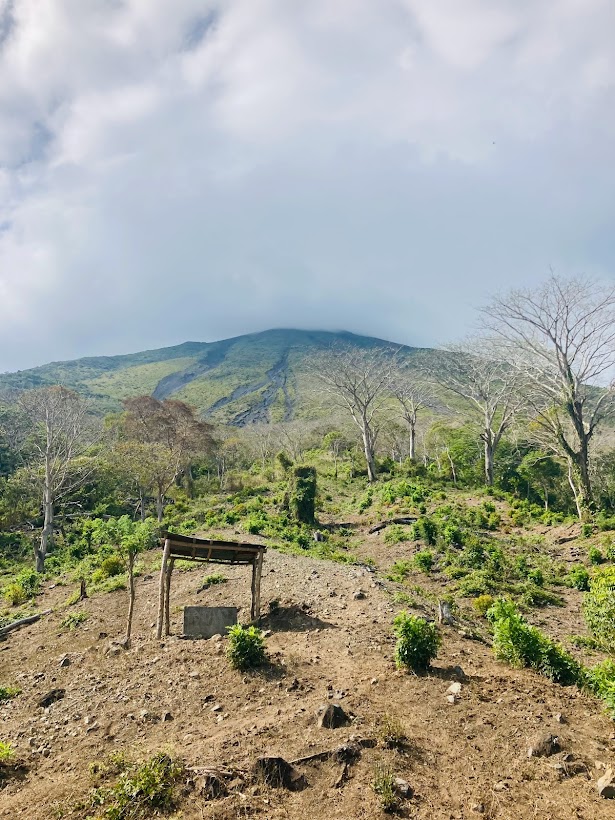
(463, 759)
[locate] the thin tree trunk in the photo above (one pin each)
(412, 443)
(368, 448)
(131, 592)
(159, 506)
(40, 553)
(488, 461)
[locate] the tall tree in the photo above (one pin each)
(486, 385)
(59, 434)
(360, 382)
(170, 436)
(413, 396)
(561, 337)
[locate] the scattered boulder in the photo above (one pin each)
(359, 595)
(606, 785)
(347, 752)
(402, 787)
(543, 744)
(279, 773)
(454, 689)
(333, 716)
(64, 661)
(51, 697)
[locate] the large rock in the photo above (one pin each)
(606, 785)
(51, 697)
(277, 772)
(543, 744)
(208, 621)
(333, 717)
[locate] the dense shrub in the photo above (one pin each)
(595, 556)
(521, 645)
(302, 494)
(425, 529)
(424, 560)
(395, 534)
(600, 680)
(578, 578)
(599, 607)
(246, 647)
(483, 604)
(142, 790)
(417, 642)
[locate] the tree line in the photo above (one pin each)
(528, 396)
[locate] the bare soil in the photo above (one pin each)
(464, 759)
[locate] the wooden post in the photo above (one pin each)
(161, 593)
(257, 568)
(167, 606)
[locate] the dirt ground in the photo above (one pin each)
(463, 760)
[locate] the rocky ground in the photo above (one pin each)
(330, 642)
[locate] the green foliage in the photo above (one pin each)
(595, 556)
(521, 645)
(212, 580)
(599, 607)
(417, 642)
(587, 530)
(14, 594)
(366, 501)
(424, 560)
(110, 567)
(399, 571)
(395, 534)
(302, 494)
(73, 620)
(483, 604)
(6, 752)
(392, 732)
(246, 647)
(383, 784)
(425, 530)
(8, 693)
(600, 680)
(141, 790)
(578, 578)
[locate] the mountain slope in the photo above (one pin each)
(258, 377)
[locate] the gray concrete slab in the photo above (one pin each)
(206, 621)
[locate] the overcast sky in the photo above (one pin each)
(177, 170)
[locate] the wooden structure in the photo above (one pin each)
(205, 551)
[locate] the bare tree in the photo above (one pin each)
(486, 384)
(360, 382)
(413, 396)
(58, 424)
(561, 337)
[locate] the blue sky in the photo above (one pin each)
(195, 170)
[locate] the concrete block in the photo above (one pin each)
(207, 621)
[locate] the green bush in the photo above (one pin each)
(399, 571)
(595, 556)
(30, 580)
(578, 578)
(395, 534)
(6, 752)
(425, 529)
(8, 693)
(111, 567)
(14, 594)
(600, 680)
(246, 647)
(73, 620)
(521, 645)
(417, 642)
(142, 790)
(302, 494)
(212, 580)
(424, 560)
(483, 604)
(383, 784)
(599, 607)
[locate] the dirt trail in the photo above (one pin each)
(464, 760)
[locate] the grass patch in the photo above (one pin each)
(73, 620)
(8, 693)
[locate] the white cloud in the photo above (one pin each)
(250, 163)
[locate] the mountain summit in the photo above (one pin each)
(259, 377)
